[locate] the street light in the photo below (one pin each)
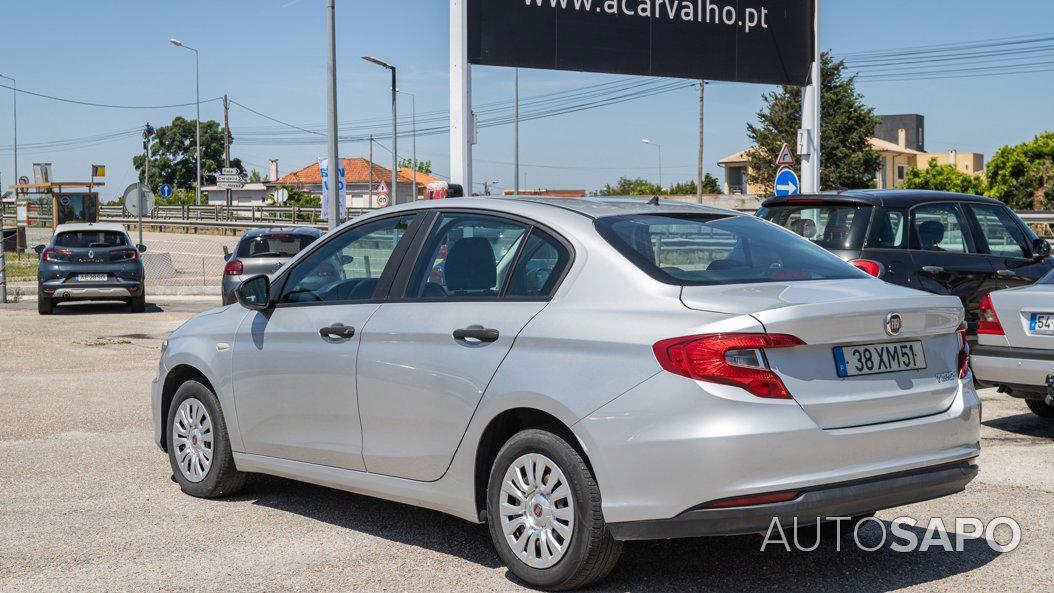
(14, 111)
(659, 146)
(197, 105)
(395, 126)
(413, 103)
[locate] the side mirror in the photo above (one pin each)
(40, 249)
(1040, 249)
(255, 293)
(141, 248)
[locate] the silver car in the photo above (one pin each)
(1015, 344)
(263, 251)
(576, 373)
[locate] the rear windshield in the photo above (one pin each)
(695, 250)
(831, 226)
(276, 245)
(86, 239)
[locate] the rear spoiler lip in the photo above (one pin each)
(811, 199)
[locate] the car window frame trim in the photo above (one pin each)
(915, 244)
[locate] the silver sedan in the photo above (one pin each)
(1015, 344)
(575, 374)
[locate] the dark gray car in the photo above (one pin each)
(90, 262)
(263, 251)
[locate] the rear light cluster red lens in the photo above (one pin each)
(990, 324)
(871, 268)
(234, 268)
(55, 254)
(728, 359)
(753, 500)
(126, 255)
(964, 352)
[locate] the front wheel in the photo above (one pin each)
(544, 514)
(199, 449)
(1040, 408)
(45, 306)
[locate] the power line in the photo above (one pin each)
(105, 105)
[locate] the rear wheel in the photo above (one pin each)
(1040, 408)
(138, 304)
(199, 449)
(45, 306)
(544, 515)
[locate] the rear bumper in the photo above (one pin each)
(849, 499)
(104, 291)
(1013, 367)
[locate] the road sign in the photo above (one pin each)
(230, 171)
(23, 180)
(223, 177)
(383, 190)
(231, 184)
(763, 41)
(166, 190)
(786, 158)
(787, 183)
(281, 196)
(136, 196)
(226, 180)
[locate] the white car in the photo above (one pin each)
(576, 373)
(1015, 344)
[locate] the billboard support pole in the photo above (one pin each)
(809, 143)
(460, 98)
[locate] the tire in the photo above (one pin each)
(138, 304)
(219, 477)
(45, 306)
(1040, 408)
(589, 554)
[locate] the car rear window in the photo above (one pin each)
(831, 226)
(699, 250)
(86, 239)
(275, 245)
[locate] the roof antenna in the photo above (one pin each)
(654, 201)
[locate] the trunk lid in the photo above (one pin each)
(1015, 309)
(845, 313)
(254, 266)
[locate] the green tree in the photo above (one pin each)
(1023, 175)
(173, 155)
(631, 187)
(255, 177)
(422, 166)
(688, 188)
(944, 178)
(848, 161)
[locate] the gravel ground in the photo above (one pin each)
(88, 502)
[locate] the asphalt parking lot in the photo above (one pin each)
(88, 503)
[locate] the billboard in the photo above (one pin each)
(759, 41)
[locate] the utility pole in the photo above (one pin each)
(333, 195)
(148, 133)
(702, 121)
(3, 260)
(461, 121)
(371, 171)
(809, 137)
(516, 135)
(227, 148)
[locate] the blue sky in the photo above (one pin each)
(270, 56)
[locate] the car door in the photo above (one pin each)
(1009, 248)
(294, 365)
(946, 258)
(427, 358)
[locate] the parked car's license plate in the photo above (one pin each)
(1042, 323)
(91, 277)
(874, 359)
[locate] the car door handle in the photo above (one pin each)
(479, 334)
(933, 269)
(1006, 273)
(337, 331)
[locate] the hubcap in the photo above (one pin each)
(537, 510)
(192, 440)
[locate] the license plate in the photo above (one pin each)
(876, 359)
(91, 277)
(1042, 324)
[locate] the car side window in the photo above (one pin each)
(466, 256)
(889, 229)
(540, 266)
(349, 267)
(1004, 237)
(942, 227)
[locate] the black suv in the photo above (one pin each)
(939, 242)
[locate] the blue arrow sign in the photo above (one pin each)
(166, 191)
(787, 183)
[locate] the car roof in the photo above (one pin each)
(90, 226)
(893, 198)
(296, 230)
(597, 207)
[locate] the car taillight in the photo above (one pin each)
(990, 324)
(55, 255)
(233, 268)
(728, 359)
(126, 255)
(871, 268)
(754, 500)
(964, 352)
